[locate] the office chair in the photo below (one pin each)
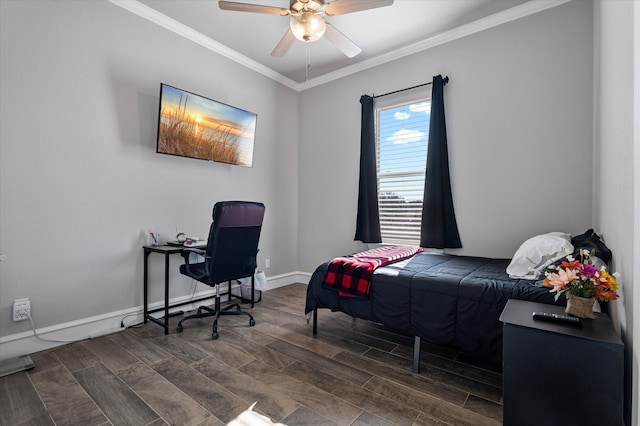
(230, 255)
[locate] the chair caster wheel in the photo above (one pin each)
(215, 335)
(252, 322)
(179, 328)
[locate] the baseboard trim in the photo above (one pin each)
(286, 279)
(25, 343)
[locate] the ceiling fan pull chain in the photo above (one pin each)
(308, 61)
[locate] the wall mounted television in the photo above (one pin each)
(193, 126)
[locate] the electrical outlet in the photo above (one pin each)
(267, 263)
(21, 309)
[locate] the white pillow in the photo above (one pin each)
(538, 252)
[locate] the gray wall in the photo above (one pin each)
(519, 121)
(616, 188)
(80, 176)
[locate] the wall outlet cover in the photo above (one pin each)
(21, 309)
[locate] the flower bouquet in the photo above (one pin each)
(583, 283)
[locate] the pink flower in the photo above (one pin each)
(560, 280)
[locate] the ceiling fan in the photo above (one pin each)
(307, 23)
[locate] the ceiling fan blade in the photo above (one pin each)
(341, 41)
(256, 8)
(285, 43)
(340, 7)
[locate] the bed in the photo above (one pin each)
(441, 298)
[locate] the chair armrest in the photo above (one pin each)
(186, 253)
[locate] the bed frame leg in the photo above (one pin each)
(315, 321)
(416, 354)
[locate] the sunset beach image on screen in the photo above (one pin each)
(191, 125)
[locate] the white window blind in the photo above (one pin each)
(401, 152)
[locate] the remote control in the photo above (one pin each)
(559, 318)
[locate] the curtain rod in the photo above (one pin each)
(445, 81)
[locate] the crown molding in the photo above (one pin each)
(497, 19)
(189, 33)
(526, 9)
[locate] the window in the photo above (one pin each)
(402, 126)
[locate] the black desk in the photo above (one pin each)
(555, 374)
(164, 321)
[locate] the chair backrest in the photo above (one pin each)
(232, 246)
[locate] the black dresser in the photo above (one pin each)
(559, 375)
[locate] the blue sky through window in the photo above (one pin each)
(402, 148)
(404, 133)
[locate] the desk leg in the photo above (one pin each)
(166, 294)
(253, 288)
(146, 283)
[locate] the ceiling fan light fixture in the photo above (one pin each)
(308, 26)
(307, 23)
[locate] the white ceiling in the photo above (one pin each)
(383, 33)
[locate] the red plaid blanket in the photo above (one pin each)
(352, 274)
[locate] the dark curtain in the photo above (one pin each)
(367, 222)
(439, 228)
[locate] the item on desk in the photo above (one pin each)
(181, 237)
(154, 238)
(194, 242)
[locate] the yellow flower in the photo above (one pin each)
(608, 280)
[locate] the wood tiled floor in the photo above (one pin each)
(352, 373)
